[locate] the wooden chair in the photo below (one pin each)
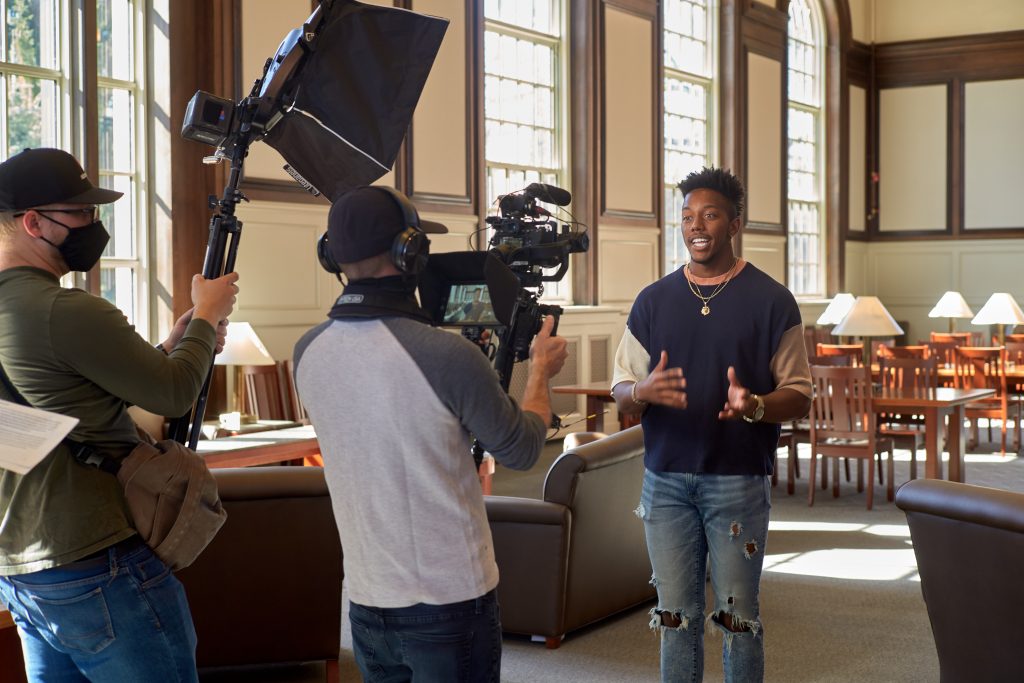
(800, 430)
(916, 351)
(844, 425)
(907, 374)
(842, 361)
(262, 395)
(958, 338)
(854, 351)
(286, 376)
(985, 367)
(1016, 338)
(814, 335)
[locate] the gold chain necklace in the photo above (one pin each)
(705, 309)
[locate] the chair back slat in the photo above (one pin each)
(982, 367)
(842, 405)
(958, 338)
(854, 351)
(915, 374)
(915, 351)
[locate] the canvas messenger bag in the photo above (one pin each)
(169, 491)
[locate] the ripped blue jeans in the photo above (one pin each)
(687, 518)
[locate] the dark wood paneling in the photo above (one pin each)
(858, 64)
(585, 91)
(987, 56)
(202, 49)
(764, 30)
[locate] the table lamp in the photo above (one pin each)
(1001, 310)
(836, 310)
(952, 306)
(867, 318)
(241, 347)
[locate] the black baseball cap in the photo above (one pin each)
(37, 177)
(364, 221)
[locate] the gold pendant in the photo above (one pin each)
(705, 310)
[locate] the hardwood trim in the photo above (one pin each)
(838, 40)
(939, 235)
(763, 228)
(985, 56)
(765, 31)
(955, 157)
(858, 63)
(652, 218)
(585, 91)
(271, 190)
(85, 82)
(203, 46)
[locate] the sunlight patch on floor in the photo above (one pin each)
(869, 564)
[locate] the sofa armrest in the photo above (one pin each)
(531, 547)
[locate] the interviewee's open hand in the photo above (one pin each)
(737, 402)
(665, 386)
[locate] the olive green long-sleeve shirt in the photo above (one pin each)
(73, 353)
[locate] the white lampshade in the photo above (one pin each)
(951, 305)
(837, 309)
(243, 347)
(1000, 309)
(867, 318)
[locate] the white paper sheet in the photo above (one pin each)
(27, 435)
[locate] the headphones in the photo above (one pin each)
(409, 250)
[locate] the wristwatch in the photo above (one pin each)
(758, 411)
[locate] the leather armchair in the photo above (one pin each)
(267, 590)
(579, 554)
(969, 543)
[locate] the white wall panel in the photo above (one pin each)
(764, 154)
(912, 151)
(767, 252)
(993, 150)
(628, 263)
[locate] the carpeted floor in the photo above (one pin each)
(840, 596)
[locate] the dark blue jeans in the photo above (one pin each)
(120, 616)
(455, 643)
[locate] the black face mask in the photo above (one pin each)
(82, 248)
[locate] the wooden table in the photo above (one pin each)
(598, 396)
(260, 448)
(934, 405)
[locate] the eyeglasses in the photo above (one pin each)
(92, 212)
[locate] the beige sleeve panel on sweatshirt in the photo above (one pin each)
(789, 364)
(631, 360)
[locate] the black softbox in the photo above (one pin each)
(356, 94)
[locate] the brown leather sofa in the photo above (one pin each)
(267, 590)
(579, 554)
(969, 543)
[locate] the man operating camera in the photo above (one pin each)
(395, 403)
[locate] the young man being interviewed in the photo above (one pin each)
(713, 358)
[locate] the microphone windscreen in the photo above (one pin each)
(549, 193)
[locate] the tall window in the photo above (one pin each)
(121, 152)
(689, 69)
(523, 101)
(43, 100)
(806, 151)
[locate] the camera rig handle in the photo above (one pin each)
(221, 251)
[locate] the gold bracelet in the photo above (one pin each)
(632, 395)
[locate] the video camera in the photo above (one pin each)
(490, 290)
(528, 240)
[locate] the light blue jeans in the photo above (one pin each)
(688, 517)
(119, 616)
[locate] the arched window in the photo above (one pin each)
(689, 96)
(524, 102)
(806, 150)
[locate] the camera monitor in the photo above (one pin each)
(469, 304)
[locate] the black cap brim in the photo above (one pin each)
(94, 195)
(433, 227)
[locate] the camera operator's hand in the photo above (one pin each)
(181, 324)
(214, 299)
(548, 353)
